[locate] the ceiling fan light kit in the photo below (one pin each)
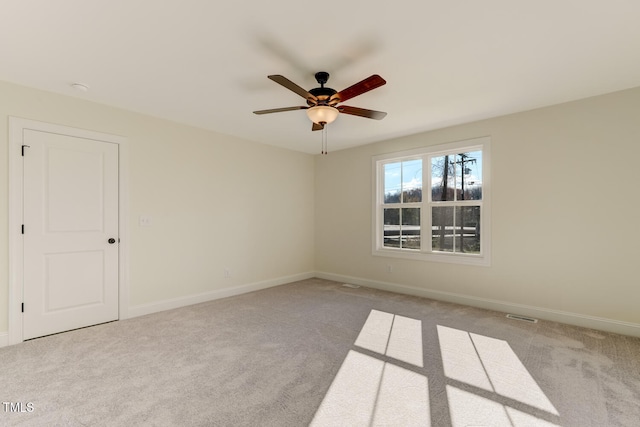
(322, 102)
(322, 114)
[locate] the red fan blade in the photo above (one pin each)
(359, 88)
(362, 112)
(279, 110)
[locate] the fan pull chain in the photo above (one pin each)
(324, 140)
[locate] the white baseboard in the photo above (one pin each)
(4, 339)
(154, 307)
(599, 323)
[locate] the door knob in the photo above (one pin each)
(111, 241)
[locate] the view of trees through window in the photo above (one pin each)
(403, 190)
(456, 178)
(454, 204)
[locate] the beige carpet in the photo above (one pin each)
(314, 352)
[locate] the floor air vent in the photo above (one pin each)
(349, 285)
(523, 318)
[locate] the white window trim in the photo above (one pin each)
(484, 259)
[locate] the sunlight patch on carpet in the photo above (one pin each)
(393, 335)
(489, 364)
(371, 391)
(368, 391)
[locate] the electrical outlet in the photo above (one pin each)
(227, 273)
(389, 268)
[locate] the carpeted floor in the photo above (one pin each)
(282, 356)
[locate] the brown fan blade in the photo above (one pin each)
(282, 80)
(359, 88)
(362, 112)
(279, 110)
(317, 126)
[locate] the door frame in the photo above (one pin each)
(17, 126)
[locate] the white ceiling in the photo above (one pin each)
(205, 63)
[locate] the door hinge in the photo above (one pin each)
(23, 307)
(23, 147)
(22, 228)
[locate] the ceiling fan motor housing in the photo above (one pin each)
(323, 95)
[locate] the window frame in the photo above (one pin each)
(425, 253)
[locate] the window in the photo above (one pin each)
(448, 222)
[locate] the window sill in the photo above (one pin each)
(464, 259)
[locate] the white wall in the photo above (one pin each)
(565, 215)
(216, 201)
(565, 209)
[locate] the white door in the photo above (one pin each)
(70, 232)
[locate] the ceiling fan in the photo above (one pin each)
(322, 102)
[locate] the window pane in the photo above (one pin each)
(467, 229)
(469, 175)
(392, 182)
(442, 229)
(412, 181)
(411, 228)
(391, 228)
(439, 189)
(443, 178)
